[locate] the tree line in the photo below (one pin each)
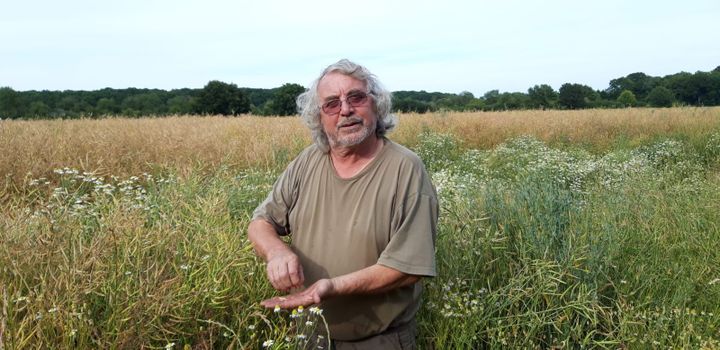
(220, 98)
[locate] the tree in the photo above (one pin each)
(38, 109)
(491, 99)
(410, 105)
(11, 105)
(106, 106)
(148, 103)
(576, 96)
(513, 100)
(627, 98)
(661, 96)
(542, 96)
(638, 83)
(283, 100)
(181, 104)
(222, 98)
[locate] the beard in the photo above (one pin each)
(358, 133)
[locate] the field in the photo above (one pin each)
(558, 229)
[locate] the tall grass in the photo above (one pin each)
(541, 247)
(124, 147)
(543, 242)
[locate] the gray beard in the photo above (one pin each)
(352, 139)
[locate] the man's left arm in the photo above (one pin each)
(374, 279)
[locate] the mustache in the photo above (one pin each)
(349, 121)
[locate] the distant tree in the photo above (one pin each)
(258, 97)
(38, 109)
(283, 100)
(106, 106)
(408, 105)
(72, 107)
(542, 96)
(464, 98)
(513, 100)
(148, 103)
(222, 98)
(701, 88)
(627, 99)
(576, 96)
(661, 96)
(475, 104)
(11, 105)
(491, 99)
(181, 104)
(638, 83)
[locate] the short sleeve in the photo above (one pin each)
(412, 246)
(275, 209)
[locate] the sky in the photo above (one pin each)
(447, 46)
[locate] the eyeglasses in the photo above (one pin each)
(355, 99)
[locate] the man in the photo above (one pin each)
(361, 212)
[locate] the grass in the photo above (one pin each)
(547, 239)
(125, 147)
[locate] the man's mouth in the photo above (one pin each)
(349, 123)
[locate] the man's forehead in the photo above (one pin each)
(335, 84)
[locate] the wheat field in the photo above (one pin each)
(558, 229)
(124, 146)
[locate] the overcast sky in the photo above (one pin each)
(447, 46)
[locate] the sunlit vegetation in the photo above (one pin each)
(585, 229)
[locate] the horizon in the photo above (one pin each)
(421, 90)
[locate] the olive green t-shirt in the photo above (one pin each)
(386, 214)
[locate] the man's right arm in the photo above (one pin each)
(283, 265)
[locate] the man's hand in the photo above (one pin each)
(284, 270)
(312, 295)
(283, 266)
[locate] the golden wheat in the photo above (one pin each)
(123, 146)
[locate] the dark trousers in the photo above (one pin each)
(395, 338)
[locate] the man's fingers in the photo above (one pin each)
(285, 272)
(277, 274)
(295, 273)
(274, 277)
(302, 275)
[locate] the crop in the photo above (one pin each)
(544, 241)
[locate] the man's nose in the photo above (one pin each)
(346, 108)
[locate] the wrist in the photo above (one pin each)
(276, 252)
(334, 286)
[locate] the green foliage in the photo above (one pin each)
(182, 104)
(542, 96)
(11, 105)
(142, 104)
(107, 106)
(437, 151)
(576, 96)
(694, 89)
(660, 96)
(542, 248)
(283, 100)
(699, 89)
(222, 98)
(639, 84)
(408, 104)
(627, 98)
(38, 109)
(537, 248)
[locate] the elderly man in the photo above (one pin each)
(361, 213)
